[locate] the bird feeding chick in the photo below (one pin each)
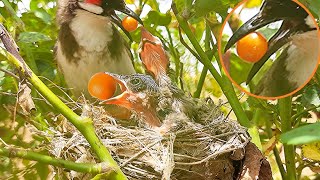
(297, 36)
(157, 101)
(142, 95)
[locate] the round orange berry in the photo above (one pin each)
(102, 86)
(252, 47)
(129, 24)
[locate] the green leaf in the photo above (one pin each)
(158, 18)
(153, 4)
(311, 151)
(310, 97)
(253, 3)
(183, 5)
(42, 14)
(255, 103)
(211, 85)
(31, 37)
(302, 135)
(313, 6)
(203, 7)
(239, 69)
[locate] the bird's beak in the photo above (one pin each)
(152, 54)
(119, 5)
(272, 11)
(123, 98)
(280, 38)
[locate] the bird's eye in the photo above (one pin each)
(135, 81)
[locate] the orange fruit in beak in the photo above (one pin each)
(252, 47)
(129, 24)
(102, 86)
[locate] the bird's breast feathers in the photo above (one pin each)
(91, 31)
(303, 54)
(94, 36)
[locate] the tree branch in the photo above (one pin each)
(79, 167)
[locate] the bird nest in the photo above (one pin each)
(187, 150)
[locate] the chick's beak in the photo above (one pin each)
(152, 54)
(121, 99)
(130, 100)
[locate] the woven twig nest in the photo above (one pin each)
(190, 150)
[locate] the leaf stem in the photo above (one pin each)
(79, 167)
(275, 151)
(204, 69)
(285, 106)
(12, 12)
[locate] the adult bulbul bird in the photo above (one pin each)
(88, 42)
(297, 36)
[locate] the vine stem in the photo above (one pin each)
(79, 167)
(204, 69)
(275, 150)
(83, 124)
(223, 80)
(285, 106)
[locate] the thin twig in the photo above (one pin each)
(208, 157)
(80, 167)
(4, 142)
(9, 73)
(139, 153)
(187, 46)
(60, 88)
(294, 117)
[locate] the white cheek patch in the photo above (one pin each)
(309, 21)
(91, 8)
(303, 56)
(91, 31)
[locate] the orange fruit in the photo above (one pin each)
(102, 86)
(252, 47)
(129, 24)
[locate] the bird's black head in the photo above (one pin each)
(295, 20)
(109, 8)
(119, 5)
